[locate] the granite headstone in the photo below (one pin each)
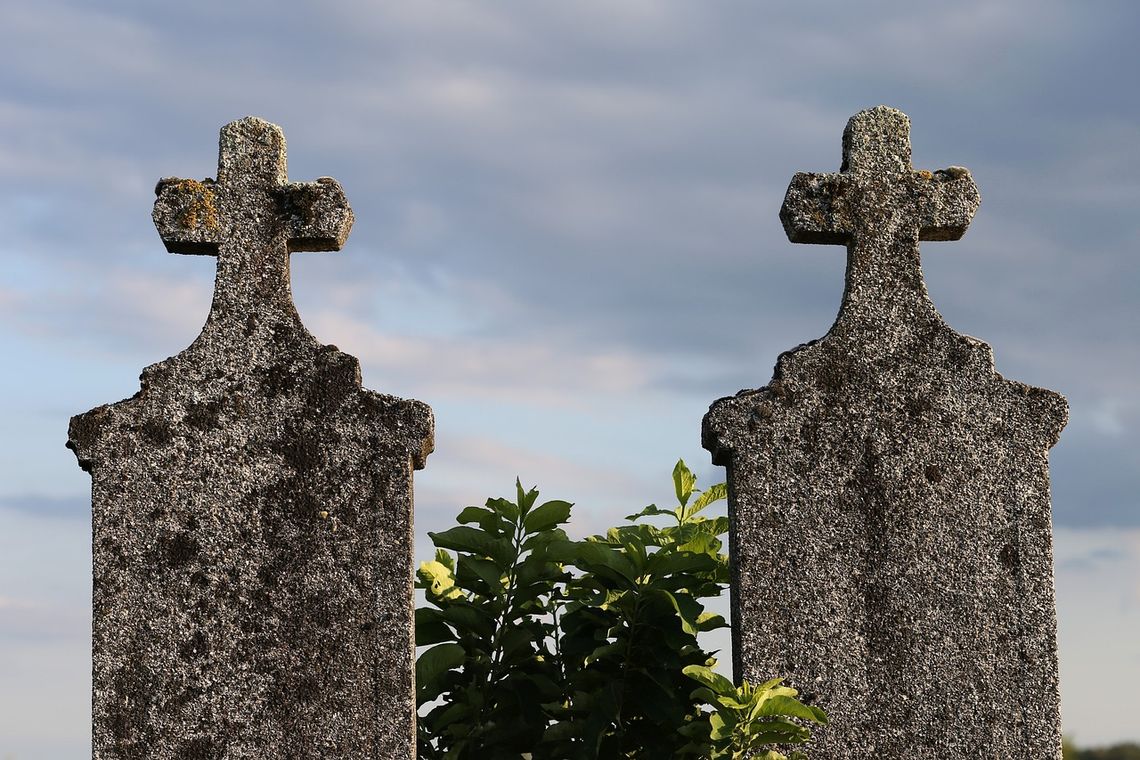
(889, 492)
(252, 505)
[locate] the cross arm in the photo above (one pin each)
(318, 217)
(816, 210)
(949, 200)
(186, 215)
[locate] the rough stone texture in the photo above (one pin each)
(252, 505)
(889, 492)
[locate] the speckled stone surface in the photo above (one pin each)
(889, 492)
(252, 505)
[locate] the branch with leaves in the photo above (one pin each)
(560, 649)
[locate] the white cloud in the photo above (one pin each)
(546, 371)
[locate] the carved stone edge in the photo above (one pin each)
(729, 414)
(414, 419)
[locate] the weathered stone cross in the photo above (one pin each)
(252, 506)
(251, 218)
(880, 208)
(889, 492)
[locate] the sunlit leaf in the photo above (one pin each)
(710, 678)
(683, 482)
(710, 495)
(438, 580)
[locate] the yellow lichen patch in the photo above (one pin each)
(925, 174)
(199, 204)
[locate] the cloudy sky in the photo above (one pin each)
(567, 243)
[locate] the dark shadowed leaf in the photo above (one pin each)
(464, 538)
(431, 628)
(547, 516)
(435, 662)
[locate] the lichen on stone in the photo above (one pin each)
(199, 209)
(953, 172)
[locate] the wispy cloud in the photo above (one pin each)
(53, 507)
(534, 371)
(24, 619)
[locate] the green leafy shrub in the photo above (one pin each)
(563, 649)
(748, 719)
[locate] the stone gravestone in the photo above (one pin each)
(252, 505)
(889, 492)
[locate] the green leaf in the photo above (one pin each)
(438, 581)
(595, 558)
(505, 507)
(651, 511)
(547, 516)
(792, 708)
(710, 621)
(671, 563)
(469, 619)
(683, 482)
(585, 657)
(686, 607)
(778, 731)
(515, 642)
(450, 714)
(435, 662)
(560, 732)
(484, 570)
(721, 729)
(713, 526)
(767, 686)
(732, 702)
(703, 694)
(464, 538)
(431, 628)
(537, 572)
(710, 495)
(647, 535)
(444, 558)
(604, 651)
(473, 515)
(526, 500)
(488, 519)
(710, 678)
(634, 552)
(539, 541)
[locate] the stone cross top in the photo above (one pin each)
(252, 506)
(251, 218)
(880, 208)
(889, 493)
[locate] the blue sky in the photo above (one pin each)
(567, 243)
